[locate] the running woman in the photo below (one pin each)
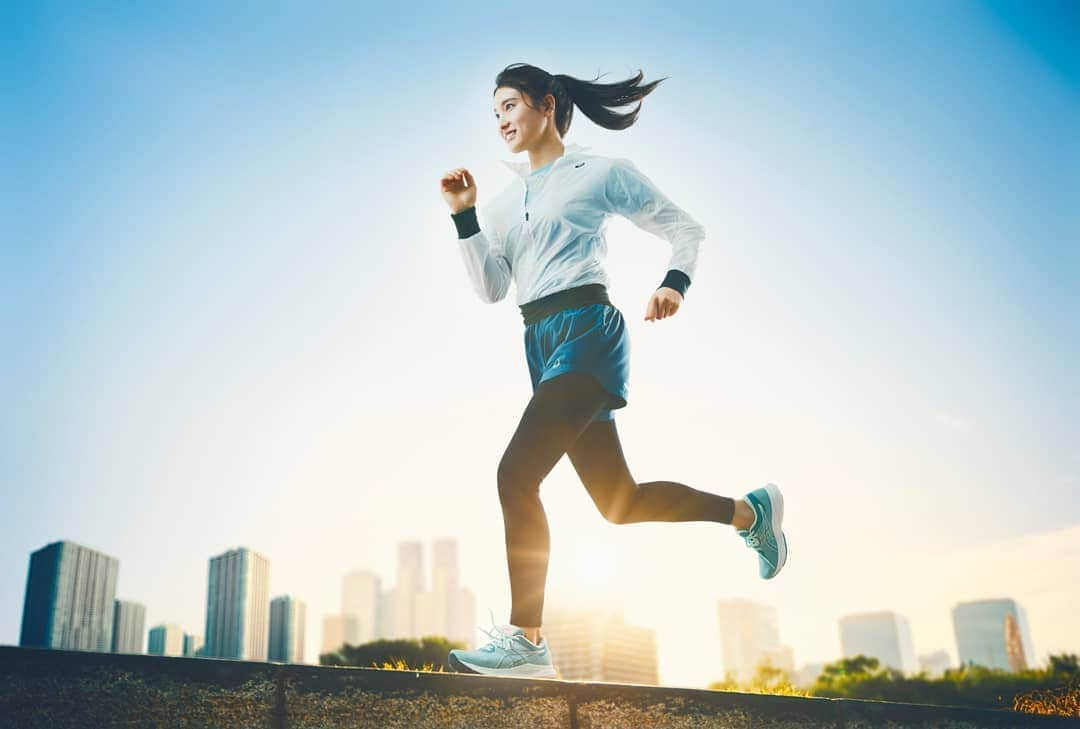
(545, 233)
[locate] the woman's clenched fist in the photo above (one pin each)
(458, 189)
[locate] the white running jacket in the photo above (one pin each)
(555, 240)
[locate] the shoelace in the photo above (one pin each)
(753, 536)
(499, 638)
(754, 540)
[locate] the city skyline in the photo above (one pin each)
(237, 606)
(235, 311)
(408, 608)
(751, 628)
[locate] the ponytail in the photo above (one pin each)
(594, 99)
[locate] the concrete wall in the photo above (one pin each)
(59, 689)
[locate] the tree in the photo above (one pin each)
(767, 679)
(1052, 689)
(1064, 664)
(427, 654)
(770, 679)
(835, 677)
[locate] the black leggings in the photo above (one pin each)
(557, 421)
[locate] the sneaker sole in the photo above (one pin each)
(776, 500)
(526, 670)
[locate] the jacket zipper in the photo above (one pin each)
(525, 184)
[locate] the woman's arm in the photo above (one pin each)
(629, 193)
(485, 259)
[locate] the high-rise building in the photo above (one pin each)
(749, 637)
(386, 622)
(882, 635)
(238, 605)
(193, 645)
(454, 605)
(934, 664)
(129, 627)
(360, 593)
(444, 565)
(444, 587)
(287, 620)
(445, 610)
(410, 585)
(70, 598)
(166, 640)
(424, 617)
(595, 644)
(409, 610)
(333, 633)
(993, 633)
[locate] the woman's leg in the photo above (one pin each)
(598, 458)
(560, 409)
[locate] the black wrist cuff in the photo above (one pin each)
(677, 280)
(466, 222)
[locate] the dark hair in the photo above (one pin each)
(592, 98)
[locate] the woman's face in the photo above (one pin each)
(519, 124)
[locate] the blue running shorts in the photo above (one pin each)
(591, 338)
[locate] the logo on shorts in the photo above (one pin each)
(580, 165)
(555, 363)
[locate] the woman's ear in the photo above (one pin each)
(549, 105)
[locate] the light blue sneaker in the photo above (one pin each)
(509, 653)
(765, 536)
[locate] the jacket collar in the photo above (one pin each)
(522, 169)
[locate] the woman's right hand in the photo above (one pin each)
(458, 189)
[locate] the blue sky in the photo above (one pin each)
(234, 311)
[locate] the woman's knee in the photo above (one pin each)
(614, 516)
(514, 479)
(616, 508)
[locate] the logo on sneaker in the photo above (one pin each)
(580, 165)
(766, 535)
(509, 653)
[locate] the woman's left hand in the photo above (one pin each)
(664, 302)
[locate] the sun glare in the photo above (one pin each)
(593, 562)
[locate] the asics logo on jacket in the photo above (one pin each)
(546, 233)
